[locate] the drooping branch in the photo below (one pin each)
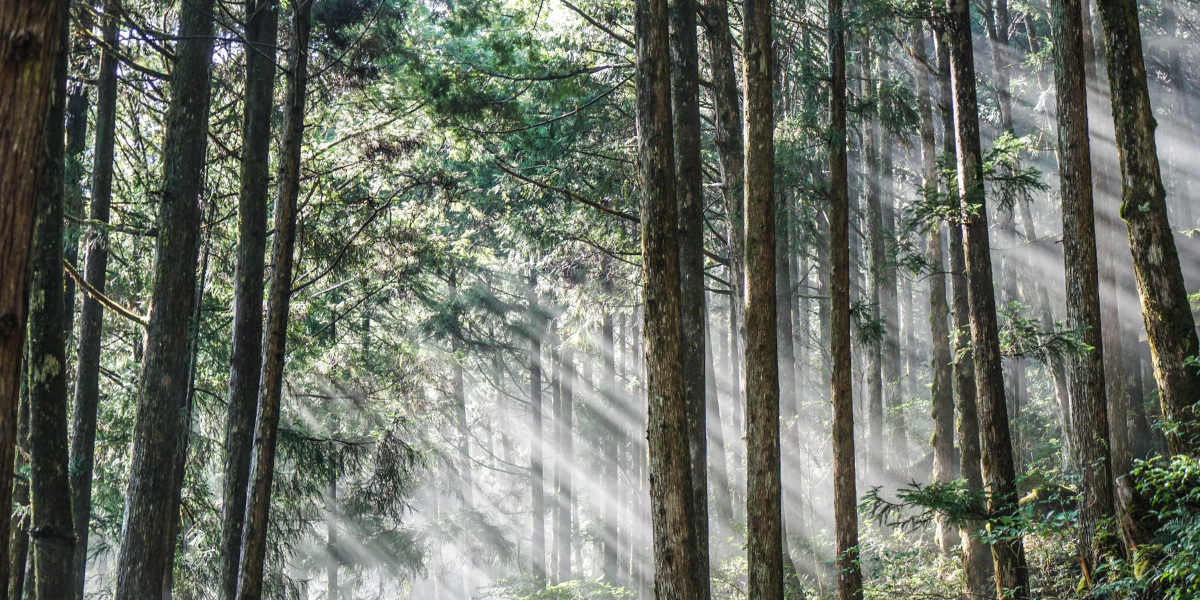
(104, 300)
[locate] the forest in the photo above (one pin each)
(603, 299)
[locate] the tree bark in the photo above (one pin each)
(147, 547)
(996, 450)
(845, 515)
(50, 530)
(671, 490)
(1090, 414)
(764, 519)
(611, 442)
(565, 465)
(18, 545)
(941, 389)
(29, 40)
(689, 193)
(91, 320)
(245, 365)
(877, 454)
(1170, 327)
(266, 427)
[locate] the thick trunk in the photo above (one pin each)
(147, 547)
(763, 499)
(279, 296)
(31, 34)
(845, 515)
(941, 389)
(1090, 414)
(996, 451)
(91, 320)
(1170, 327)
(689, 193)
(671, 491)
(245, 368)
(50, 530)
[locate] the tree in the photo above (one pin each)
(147, 547)
(1089, 412)
(845, 514)
(1170, 328)
(245, 365)
(536, 467)
(266, 425)
(91, 320)
(32, 34)
(1008, 555)
(671, 490)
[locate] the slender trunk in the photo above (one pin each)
(565, 464)
(689, 193)
(722, 495)
(91, 320)
(556, 504)
(536, 467)
(941, 389)
(31, 34)
(611, 444)
(50, 530)
(1170, 327)
(1008, 556)
(331, 543)
(76, 144)
(1083, 293)
(671, 490)
(147, 547)
(845, 515)
(729, 142)
(279, 294)
(245, 368)
(877, 455)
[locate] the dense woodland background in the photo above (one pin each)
(439, 299)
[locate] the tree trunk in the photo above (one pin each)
(91, 320)
(689, 192)
(610, 413)
(1170, 327)
(30, 35)
(941, 391)
(1090, 414)
(996, 451)
(845, 515)
(147, 547)
(671, 490)
(877, 455)
(536, 467)
(266, 427)
(50, 530)
(722, 496)
(565, 464)
(245, 369)
(764, 519)
(76, 144)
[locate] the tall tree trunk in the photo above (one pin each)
(671, 490)
(845, 498)
(245, 365)
(689, 192)
(764, 518)
(91, 320)
(331, 543)
(1008, 556)
(266, 426)
(877, 455)
(1090, 413)
(1170, 327)
(536, 466)
(941, 389)
(147, 547)
(565, 464)
(611, 444)
(31, 34)
(718, 462)
(729, 142)
(76, 144)
(50, 530)
(556, 503)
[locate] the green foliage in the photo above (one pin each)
(1025, 337)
